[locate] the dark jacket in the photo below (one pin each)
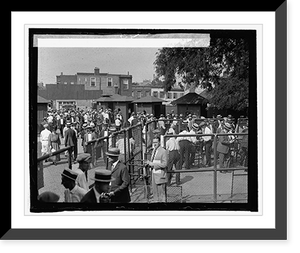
(120, 186)
(89, 197)
(70, 138)
(223, 144)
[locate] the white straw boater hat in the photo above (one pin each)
(195, 126)
(102, 175)
(113, 152)
(70, 174)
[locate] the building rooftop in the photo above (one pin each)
(42, 100)
(190, 98)
(148, 99)
(114, 98)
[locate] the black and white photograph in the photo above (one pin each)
(148, 119)
(149, 126)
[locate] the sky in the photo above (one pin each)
(137, 61)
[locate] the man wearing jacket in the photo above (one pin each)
(119, 188)
(71, 140)
(99, 192)
(158, 162)
(223, 144)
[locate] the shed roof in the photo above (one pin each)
(190, 98)
(114, 98)
(148, 99)
(119, 98)
(104, 98)
(42, 100)
(206, 94)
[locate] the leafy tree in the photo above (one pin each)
(222, 69)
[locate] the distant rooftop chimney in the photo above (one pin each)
(96, 71)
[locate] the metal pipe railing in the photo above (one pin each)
(44, 157)
(215, 169)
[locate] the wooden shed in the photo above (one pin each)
(42, 108)
(116, 101)
(191, 103)
(152, 105)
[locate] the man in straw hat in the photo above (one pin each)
(73, 192)
(84, 164)
(194, 141)
(119, 188)
(207, 142)
(99, 192)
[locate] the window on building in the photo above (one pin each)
(175, 95)
(93, 81)
(147, 93)
(155, 94)
(109, 82)
(125, 84)
(139, 94)
(161, 94)
(169, 95)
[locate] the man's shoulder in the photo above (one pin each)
(161, 149)
(89, 196)
(121, 165)
(80, 190)
(77, 170)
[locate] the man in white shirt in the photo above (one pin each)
(44, 136)
(194, 141)
(184, 143)
(120, 144)
(174, 157)
(207, 143)
(73, 193)
(84, 164)
(118, 122)
(131, 118)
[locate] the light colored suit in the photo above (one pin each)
(159, 174)
(160, 166)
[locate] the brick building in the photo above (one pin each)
(82, 89)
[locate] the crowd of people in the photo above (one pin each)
(176, 139)
(183, 139)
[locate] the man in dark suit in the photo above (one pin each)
(71, 140)
(119, 188)
(99, 192)
(223, 145)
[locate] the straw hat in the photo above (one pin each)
(103, 175)
(113, 152)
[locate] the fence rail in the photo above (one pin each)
(207, 182)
